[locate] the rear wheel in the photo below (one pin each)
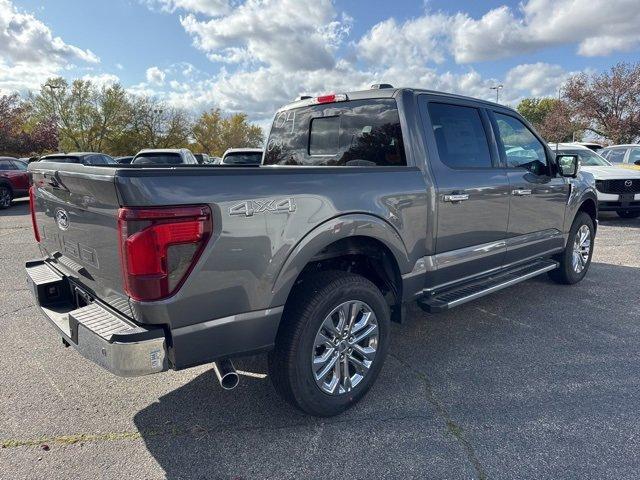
(5, 196)
(628, 213)
(332, 343)
(576, 257)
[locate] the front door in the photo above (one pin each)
(538, 194)
(472, 193)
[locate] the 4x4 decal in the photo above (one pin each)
(251, 207)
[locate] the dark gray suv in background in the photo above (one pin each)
(364, 201)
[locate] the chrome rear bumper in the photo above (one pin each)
(99, 334)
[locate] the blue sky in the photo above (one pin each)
(252, 55)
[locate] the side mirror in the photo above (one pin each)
(568, 165)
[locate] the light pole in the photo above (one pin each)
(497, 88)
(56, 104)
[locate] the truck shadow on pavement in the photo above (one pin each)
(535, 381)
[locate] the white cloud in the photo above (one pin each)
(272, 51)
(188, 69)
(208, 7)
(102, 79)
(22, 76)
(30, 53)
(416, 41)
(155, 76)
(290, 34)
(25, 39)
(539, 79)
(599, 27)
(119, 66)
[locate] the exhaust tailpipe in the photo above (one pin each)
(226, 373)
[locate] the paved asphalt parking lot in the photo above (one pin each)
(536, 381)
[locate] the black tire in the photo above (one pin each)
(6, 196)
(310, 304)
(566, 273)
(628, 213)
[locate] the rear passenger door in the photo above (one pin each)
(538, 194)
(472, 190)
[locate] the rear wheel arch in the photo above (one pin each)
(362, 244)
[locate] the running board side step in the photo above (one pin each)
(452, 297)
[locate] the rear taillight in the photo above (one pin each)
(159, 247)
(32, 209)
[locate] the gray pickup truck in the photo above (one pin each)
(364, 201)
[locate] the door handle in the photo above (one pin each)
(521, 192)
(455, 197)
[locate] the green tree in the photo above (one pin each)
(153, 124)
(88, 118)
(552, 118)
(536, 109)
(214, 133)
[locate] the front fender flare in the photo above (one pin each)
(325, 234)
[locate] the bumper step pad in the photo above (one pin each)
(100, 335)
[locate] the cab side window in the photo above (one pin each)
(520, 147)
(460, 136)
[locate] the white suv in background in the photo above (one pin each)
(618, 188)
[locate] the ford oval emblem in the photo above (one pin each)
(62, 219)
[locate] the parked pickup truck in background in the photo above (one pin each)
(365, 201)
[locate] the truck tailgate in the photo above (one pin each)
(76, 209)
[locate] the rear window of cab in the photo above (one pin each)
(353, 133)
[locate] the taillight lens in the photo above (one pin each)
(159, 247)
(32, 209)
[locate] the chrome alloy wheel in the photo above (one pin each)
(345, 347)
(581, 249)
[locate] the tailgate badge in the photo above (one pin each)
(62, 219)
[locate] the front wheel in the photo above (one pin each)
(628, 213)
(576, 257)
(5, 196)
(331, 344)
